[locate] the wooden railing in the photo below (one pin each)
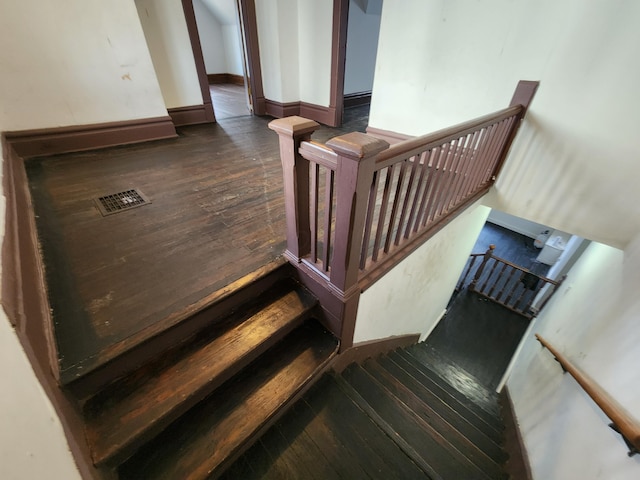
(506, 283)
(356, 207)
(622, 421)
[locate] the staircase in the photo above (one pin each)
(394, 416)
(190, 410)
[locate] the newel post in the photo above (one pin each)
(356, 164)
(292, 131)
(487, 256)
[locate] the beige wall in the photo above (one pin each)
(412, 296)
(442, 62)
(295, 49)
(165, 30)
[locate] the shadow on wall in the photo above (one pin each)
(552, 178)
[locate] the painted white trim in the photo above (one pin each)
(424, 336)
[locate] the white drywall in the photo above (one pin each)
(165, 29)
(64, 62)
(412, 296)
(233, 49)
(517, 224)
(295, 50)
(593, 320)
(211, 39)
(574, 163)
(362, 46)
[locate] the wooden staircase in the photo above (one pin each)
(190, 410)
(394, 416)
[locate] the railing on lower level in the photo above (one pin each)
(622, 421)
(507, 284)
(356, 206)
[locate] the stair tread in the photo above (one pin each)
(456, 376)
(396, 387)
(449, 411)
(472, 412)
(427, 446)
(204, 439)
(129, 411)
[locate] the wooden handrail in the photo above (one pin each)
(623, 422)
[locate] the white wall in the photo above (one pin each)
(442, 62)
(593, 320)
(362, 46)
(165, 29)
(220, 41)
(517, 224)
(295, 49)
(71, 62)
(211, 39)
(412, 296)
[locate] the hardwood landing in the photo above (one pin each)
(393, 417)
(216, 215)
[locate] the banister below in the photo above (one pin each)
(623, 422)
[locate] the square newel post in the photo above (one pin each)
(356, 164)
(295, 169)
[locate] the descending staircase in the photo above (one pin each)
(191, 410)
(394, 416)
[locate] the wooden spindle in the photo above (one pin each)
(390, 171)
(487, 256)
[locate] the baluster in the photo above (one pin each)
(390, 171)
(506, 283)
(424, 158)
(373, 194)
(466, 274)
(315, 179)
(407, 197)
(292, 131)
(495, 284)
(328, 216)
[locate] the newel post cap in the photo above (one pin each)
(293, 126)
(357, 145)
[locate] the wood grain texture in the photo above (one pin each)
(121, 417)
(209, 434)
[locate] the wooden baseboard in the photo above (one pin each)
(517, 466)
(320, 114)
(219, 78)
(358, 98)
(49, 141)
(388, 135)
(191, 115)
(361, 351)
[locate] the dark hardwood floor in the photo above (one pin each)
(229, 100)
(216, 214)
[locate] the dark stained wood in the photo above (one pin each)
(249, 27)
(222, 78)
(517, 466)
(191, 115)
(229, 100)
(48, 141)
(338, 56)
(427, 447)
(363, 350)
(358, 98)
(211, 434)
(132, 410)
(196, 47)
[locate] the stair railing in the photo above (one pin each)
(622, 422)
(506, 283)
(356, 207)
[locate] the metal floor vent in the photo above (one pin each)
(118, 202)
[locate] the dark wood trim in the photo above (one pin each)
(320, 114)
(391, 137)
(281, 110)
(192, 115)
(517, 466)
(49, 141)
(196, 47)
(28, 307)
(249, 27)
(338, 58)
(358, 98)
(359, 352)
(221, 78)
